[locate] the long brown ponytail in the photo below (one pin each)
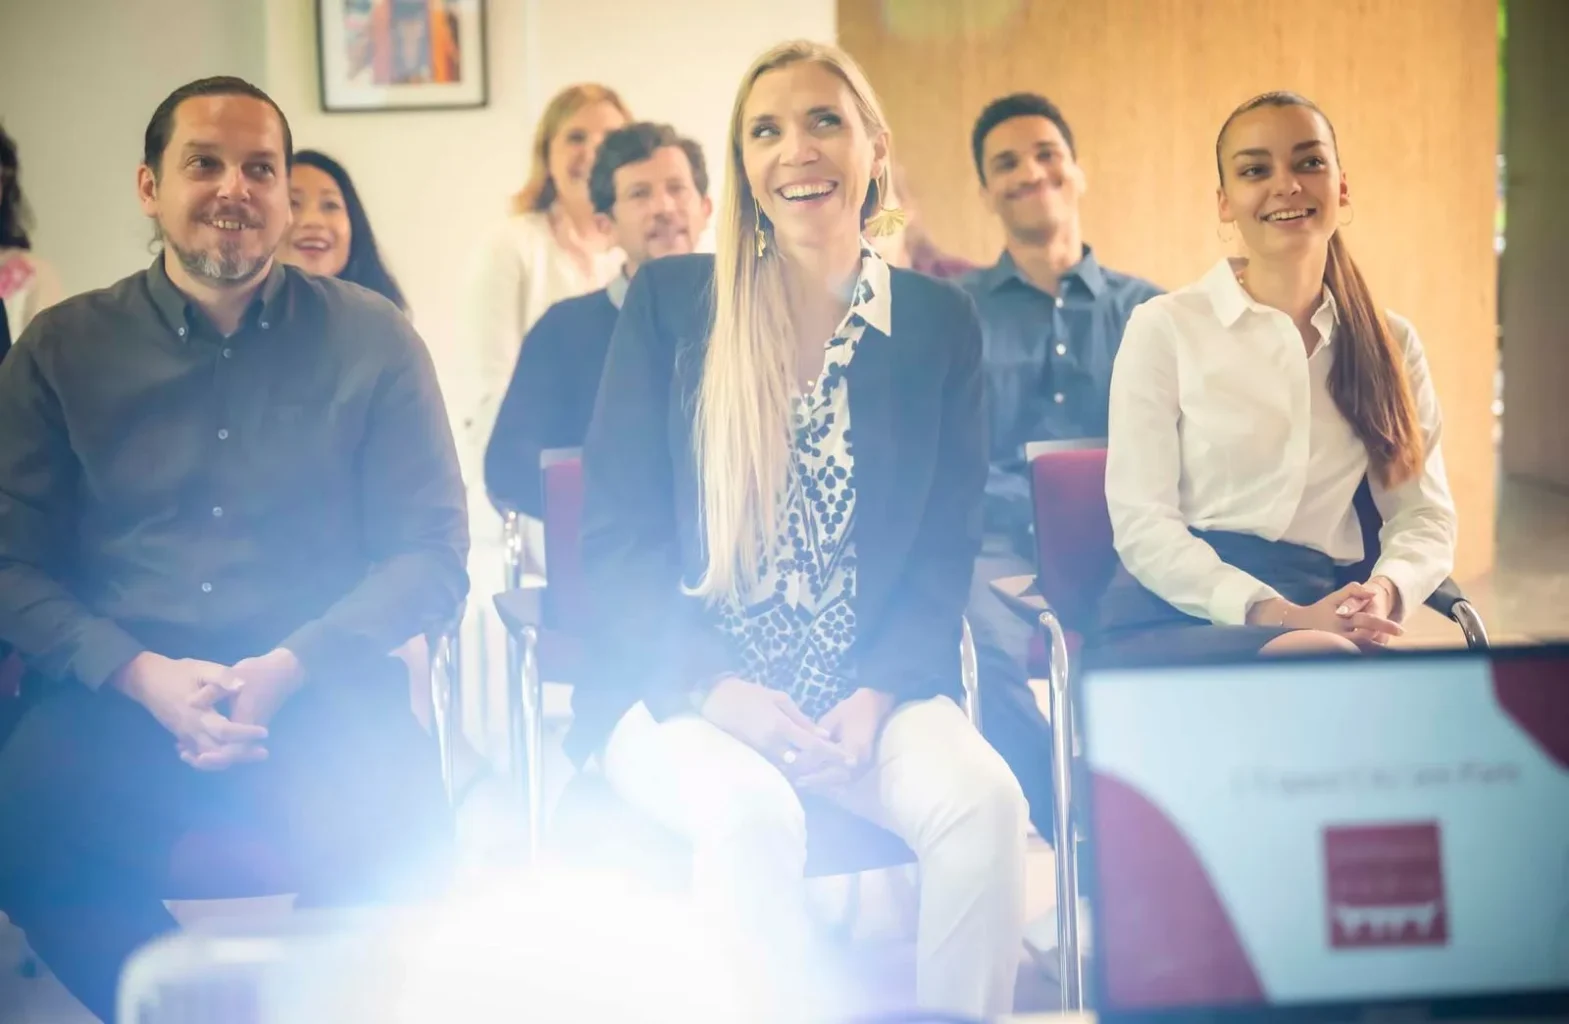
(1368, 379)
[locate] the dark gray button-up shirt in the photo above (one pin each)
(165, 487)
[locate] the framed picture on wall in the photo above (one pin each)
(401, 54)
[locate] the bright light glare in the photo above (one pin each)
(555, 946)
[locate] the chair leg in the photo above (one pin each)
(969, 673)
(444, 686)
(526, 731)
(1069, 960)
(1470, 624)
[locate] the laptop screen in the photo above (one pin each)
(1348, 831)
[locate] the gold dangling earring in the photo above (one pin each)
(1349, 220)
(887, 220)
(1223, 239)
(757, 228)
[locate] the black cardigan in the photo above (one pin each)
(919, 432)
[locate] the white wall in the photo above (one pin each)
(78, 81)
(434, 181)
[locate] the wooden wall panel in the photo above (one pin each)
(1410, 85)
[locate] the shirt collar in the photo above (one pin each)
(1230, 300)
(872, 299)
(616, 290)
(184, 315)
(1088, 271)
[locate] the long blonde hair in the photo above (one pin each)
(539, 192)
(741, 440)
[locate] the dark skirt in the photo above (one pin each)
(1137, 628)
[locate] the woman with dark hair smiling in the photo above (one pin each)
(1247, 409)
(27, 283)
(331, 234)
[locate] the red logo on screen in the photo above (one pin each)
(1386, 886)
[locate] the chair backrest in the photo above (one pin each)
(1074, 554)
(1371, 521)
(566, 593)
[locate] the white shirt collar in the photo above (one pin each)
(616, 290)
(873, 296)
(1230, 300)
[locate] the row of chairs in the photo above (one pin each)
(546, 620)
(546, 623)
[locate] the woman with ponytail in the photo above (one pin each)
(780, 608)
(1246, 411)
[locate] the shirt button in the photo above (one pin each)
(206, 588)
(217, 512)
(228, 353)
(1062, 349)
(1059, 302)
(1059, 398)
(180, 331)
(265, 325)
(223, 435)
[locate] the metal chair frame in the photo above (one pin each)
(1070, 959)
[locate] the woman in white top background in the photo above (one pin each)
(549, 249)
(27, 283)
(1246, 410)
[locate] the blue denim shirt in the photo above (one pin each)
(1047, 364)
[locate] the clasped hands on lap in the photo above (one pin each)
(217, 714)
(1363, 613)
(824, 755)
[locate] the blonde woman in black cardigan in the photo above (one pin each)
(780, 608)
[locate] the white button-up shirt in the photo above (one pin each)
(1221, 420)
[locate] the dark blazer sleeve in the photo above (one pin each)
(647, 637)
(512, 454)
(914, 649)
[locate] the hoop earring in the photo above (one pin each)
(1351, 217)
(1223, 239)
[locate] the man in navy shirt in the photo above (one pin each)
(650, 190)
(1051, 318)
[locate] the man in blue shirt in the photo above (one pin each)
(1052, 318)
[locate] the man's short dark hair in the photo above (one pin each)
(632, 145)
(1020, 104)
(161, 127)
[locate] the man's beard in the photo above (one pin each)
(225, 266)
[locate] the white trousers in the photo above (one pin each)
(935, 783)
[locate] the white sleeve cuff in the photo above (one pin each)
(1232, 599)
(1404, 577)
